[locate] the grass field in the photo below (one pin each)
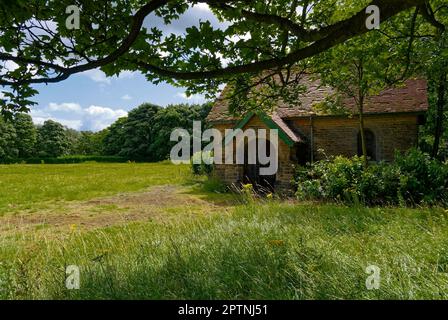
(151, 231)
(28, 186)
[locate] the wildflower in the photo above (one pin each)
(247, 186)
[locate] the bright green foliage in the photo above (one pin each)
(413, 179)
(426, 136)
(404, 48)
(52, 140)
(90, 143)
(20, 140)
(422, 180)
(142, 136)
(73, 137)
(17, 137)
(114, 137)
(172, 117)
(428, 56)
(145, 134)
(85, 142)
(362, 66)
(139, 133)
(26, 135)
(255, 37)
(8, 136)
(434, 64)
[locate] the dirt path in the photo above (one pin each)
(159, 203)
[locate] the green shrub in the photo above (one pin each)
(414, 178)
(422, 179)
(199, 166)
(215, 185)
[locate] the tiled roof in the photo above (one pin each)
(411, 97)
(286, 129)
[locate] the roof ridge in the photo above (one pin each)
(411, 97)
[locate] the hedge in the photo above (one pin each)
(73, 159)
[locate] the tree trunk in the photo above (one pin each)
(441, 88)
(362, 131)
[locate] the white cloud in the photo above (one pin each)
(108, 112)
(182, 95)
(8, 66)
(202, 7)
(126, 97)
(97, 75)
(195, 98)
(72, 124)
(65, 107)
(237, 37)
(98, 118)
(163, 54)
(192, 17)
(127, 74)
(11, 65)
(39, 120)
(72, 115)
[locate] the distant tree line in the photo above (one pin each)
(142, 136)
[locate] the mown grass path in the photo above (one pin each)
(32, 186)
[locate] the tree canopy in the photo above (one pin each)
(260, 36)
(145, 134)
(52, 140)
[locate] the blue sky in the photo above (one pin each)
(91, 101)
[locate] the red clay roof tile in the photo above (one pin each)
(411, 97)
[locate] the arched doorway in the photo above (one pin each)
(252, 174)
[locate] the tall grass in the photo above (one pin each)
(260, 251)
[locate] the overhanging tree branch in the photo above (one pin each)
(338, 33)
(428, 14)
(137, 23)
(324, 38)
(281, 22)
